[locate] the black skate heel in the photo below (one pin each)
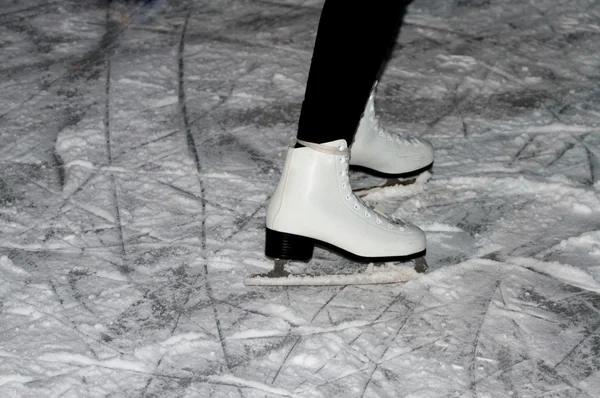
(284, 246)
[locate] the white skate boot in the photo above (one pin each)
(385, 154)
(314, 204)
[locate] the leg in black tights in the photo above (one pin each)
(354, 39)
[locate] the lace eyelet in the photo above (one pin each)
(406, 143)
(347, 197)
(389, 138)
(401, 228)
(381, 133)
(390, 226)
(367, 215)
(356, 207)
(378, 221)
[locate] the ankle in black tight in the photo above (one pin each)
(345, 64)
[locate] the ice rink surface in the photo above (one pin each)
(139, 145)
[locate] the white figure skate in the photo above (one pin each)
(395, 157)
(314, 205)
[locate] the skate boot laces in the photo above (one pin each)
(359, 205)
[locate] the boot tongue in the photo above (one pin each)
(337, 147)
(336, 144)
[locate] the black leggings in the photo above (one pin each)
(354, 40)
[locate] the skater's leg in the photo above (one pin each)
(353, 41)
(314, 203)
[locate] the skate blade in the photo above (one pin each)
(393, 182)
(373, 275)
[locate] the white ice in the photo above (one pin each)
(138, 154)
